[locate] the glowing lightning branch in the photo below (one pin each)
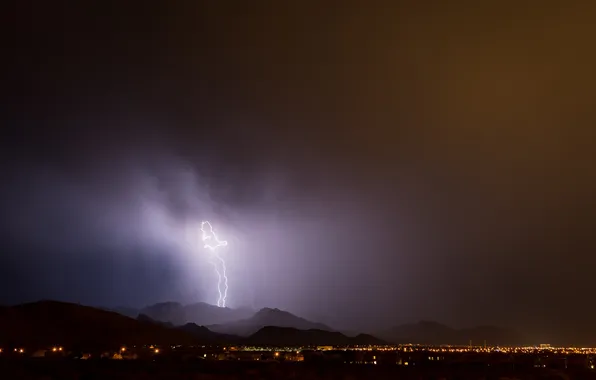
(212, 243)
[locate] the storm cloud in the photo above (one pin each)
(369, 165)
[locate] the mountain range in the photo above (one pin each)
(242, 322)
(48, 323)
(288, 336)
(267, 317)
(245, 322)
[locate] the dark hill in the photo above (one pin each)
(49, 322)
(144, 318)
(287, 336)
(171, 312)
(126, 311)
(267, 317)
(203, 334)
(366, 339)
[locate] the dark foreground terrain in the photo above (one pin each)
(118, 369)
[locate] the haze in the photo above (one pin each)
(369, 164)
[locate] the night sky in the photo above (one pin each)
(370, 163)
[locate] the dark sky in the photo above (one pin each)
(370, 163)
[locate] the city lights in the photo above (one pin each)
(403, 355)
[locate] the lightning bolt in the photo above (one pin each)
(212, 243)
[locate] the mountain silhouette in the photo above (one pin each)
(172, 312)
(47, 323)
(366, 339)
(203, 334)
(124, 310)
(288, 336)
(267, 317)
(144, 318)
